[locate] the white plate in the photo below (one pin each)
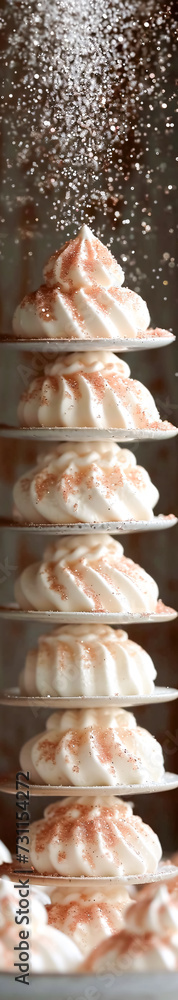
(84, 434)
(11, 612)
(100, 344)
(13, 698)
(168, 783)
(164, 872)
(82, 528)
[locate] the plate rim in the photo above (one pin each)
(87, 433)
(73, 791)
(158, 523)
(86, 617)
(162, 874)
(80, 702)
(124, 344)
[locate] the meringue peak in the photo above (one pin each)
(83, 261)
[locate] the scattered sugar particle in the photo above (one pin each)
(78, 77)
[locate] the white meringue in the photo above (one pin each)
(87, 661)
(5, 855)
(88, 390)
(88, 575)
(86, 917)
(82, 297)
(93, 837)
(82, 261)
(49, 949)
(93, 747)
(147, 943)
(82, 482)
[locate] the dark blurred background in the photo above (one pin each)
(125, 188)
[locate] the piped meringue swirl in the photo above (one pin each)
(86, 917)
(88, 575)
(50, 950)
(87, 661)
(93, 747)
(147, 943)
(82, 297)
(93, 837)
(82, 262)
(88, 390)
(80, 482)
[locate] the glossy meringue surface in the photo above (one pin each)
(88, 575)
(82, 297)
(88, 917)
(87, 661)
(148, 941)
(85, 483)
(88, 747)
(95, 837)
(88, 390)
(49, 949)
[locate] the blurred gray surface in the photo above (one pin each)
(128, 987)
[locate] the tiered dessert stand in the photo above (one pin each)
(14, 699)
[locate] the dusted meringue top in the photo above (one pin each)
(82, 262)
(94, 837)
(88, 575)
(50, 950)
(84, 482)
(88, 390)
(82, 297)
(87, 660)
(93, 747)
(88, 917)
(149, 940)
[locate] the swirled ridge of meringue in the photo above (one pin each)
(92, 390)
(88, 575)
(82, 297)
(82, 261)
(50, 950)
(44, 401)
(155, 912)
(84, 482)
(53, 951)
(87, 661)
(86, 917)
(93, 747)
(89, 313)
(93, 837)
(148, 941)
